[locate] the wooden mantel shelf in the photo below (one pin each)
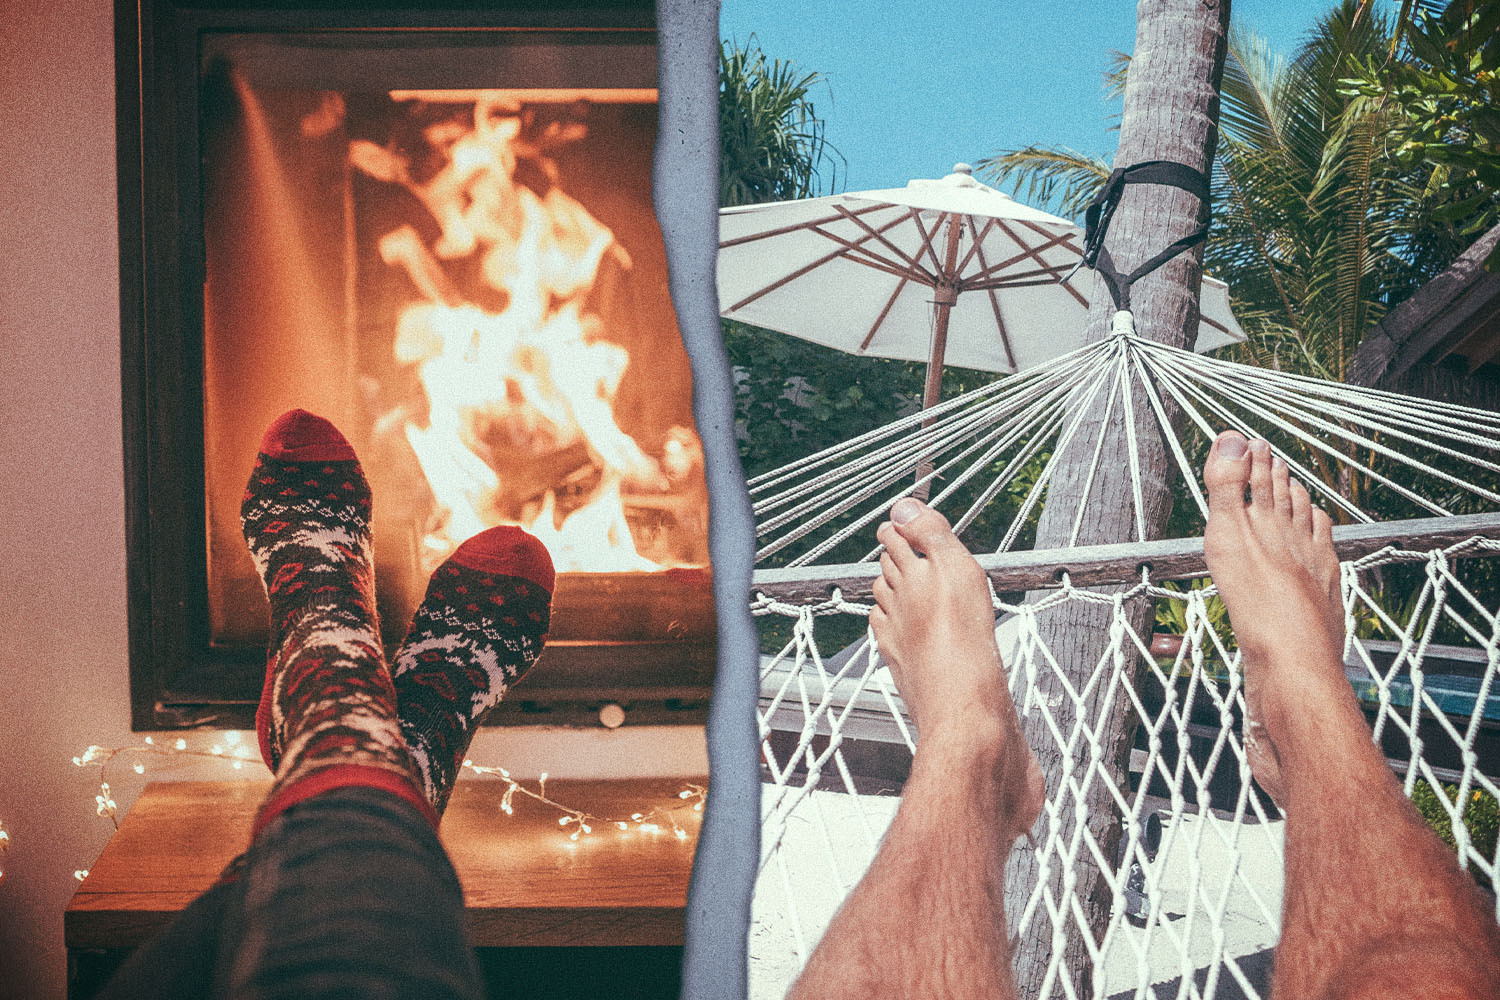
(525, 883)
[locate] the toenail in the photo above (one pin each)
(1232, 447)
(906, 509)
(1259, 445)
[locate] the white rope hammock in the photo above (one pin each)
(806, 508)
(1203, 908)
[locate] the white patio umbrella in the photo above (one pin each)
(946, 271)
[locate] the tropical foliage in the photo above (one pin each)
(1480, 816)
(1316, 225)
(1334, 199)
(1447, 89)
(1319, 222)
(771, 140)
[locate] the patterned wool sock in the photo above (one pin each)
(478, 631)
(327, 715)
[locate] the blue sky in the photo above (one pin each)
(914, 88)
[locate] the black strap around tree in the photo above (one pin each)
(1102, 209)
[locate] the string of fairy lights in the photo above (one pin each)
(577, 824)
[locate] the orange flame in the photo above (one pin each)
(536, 370)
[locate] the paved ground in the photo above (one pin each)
(1202, 869)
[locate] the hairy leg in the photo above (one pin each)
(1375, 905)
(928, 918)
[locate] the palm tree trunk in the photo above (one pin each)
(1171, 112)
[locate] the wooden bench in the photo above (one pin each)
(532, 896)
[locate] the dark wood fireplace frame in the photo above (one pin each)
(178, 679)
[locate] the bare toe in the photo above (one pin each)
(1262, 493)
(1281, 488)
(1226, 473)
(926, 530)
(1323, 530)
(1274, 565)
(1302, 519)
(896, 547)
(884, 597)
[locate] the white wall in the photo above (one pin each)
(63, 680)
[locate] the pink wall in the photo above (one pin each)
(62, 554)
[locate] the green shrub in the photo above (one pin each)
(1171, 614)
(1481, 817)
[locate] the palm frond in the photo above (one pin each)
(1058, 177)
(1247, 108)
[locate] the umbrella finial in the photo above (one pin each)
(962, 176)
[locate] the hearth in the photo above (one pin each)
(436, 229)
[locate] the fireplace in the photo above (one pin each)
(436, 229)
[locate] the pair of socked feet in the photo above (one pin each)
(332, 713)
(1268, 549)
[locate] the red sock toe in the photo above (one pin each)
(299, 436)
(510, 551)
(479, 629)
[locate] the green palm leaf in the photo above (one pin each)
(771, 141)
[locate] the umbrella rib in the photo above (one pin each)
(1013, 284)
(975, 243)
(869, 258)
(784, 279)
(1020, 280)
(1064, 242)
(990, 272)
(879, 235)
(1077, 295)
(795, 226)
(864, 345)
(1209, 320)
(916, 218)
(1010, 355)
(1067, 237)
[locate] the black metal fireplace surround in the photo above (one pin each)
(644, 641)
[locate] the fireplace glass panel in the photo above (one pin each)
(446, 245)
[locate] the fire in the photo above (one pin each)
(516, 372)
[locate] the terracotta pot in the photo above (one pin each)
(1165, 645)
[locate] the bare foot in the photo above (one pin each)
(935, 627)
(1272, 559)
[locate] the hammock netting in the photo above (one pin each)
(1193, 886)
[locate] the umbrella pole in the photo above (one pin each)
(941, 308)
(945, 295)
